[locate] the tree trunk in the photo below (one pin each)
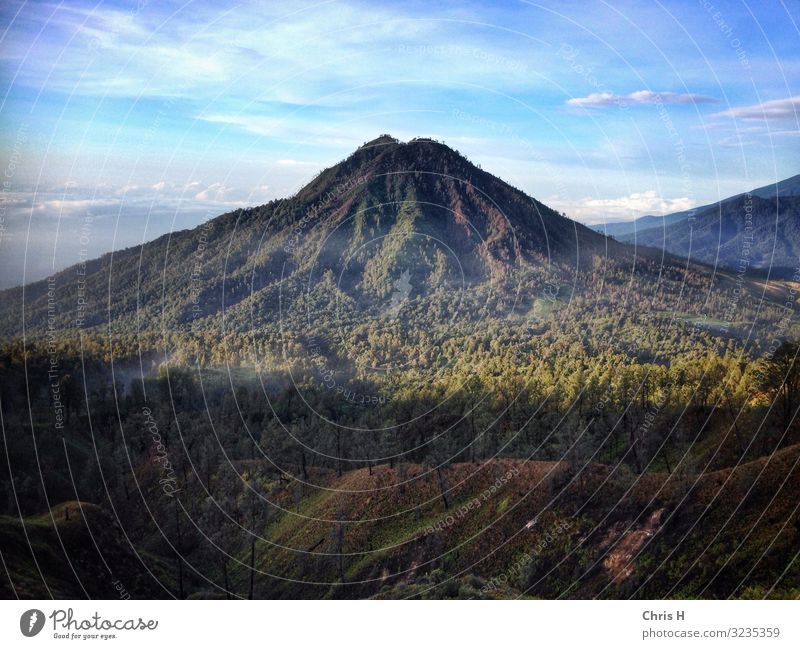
(178, 551)
(252, 566)
(303, 470)
(338, 454)
(666, 460)
(443, 487)
(634, 442)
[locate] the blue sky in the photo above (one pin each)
(153, 116)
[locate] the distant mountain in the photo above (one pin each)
(745, 231)
(623, 229)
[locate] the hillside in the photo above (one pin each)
(76, 550)
(786, 188)
(540, 531)
(745, 231)
(506, 528)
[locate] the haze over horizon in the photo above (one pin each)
(151, 117)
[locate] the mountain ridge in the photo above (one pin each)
(743, 232)
(624, 229)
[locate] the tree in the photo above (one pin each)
(257, 502)
(780, 375)
(70, 394)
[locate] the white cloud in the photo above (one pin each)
(288, 162)
(624, 208)
(60, 207)
(57, 236)
(257, 125)
(640, 98)
(777, 109)
(295, 55)
(216, 192)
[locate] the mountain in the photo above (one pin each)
(401, 243)
(745, 231)
(388, 208)
(624, 230)
(619, 229)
